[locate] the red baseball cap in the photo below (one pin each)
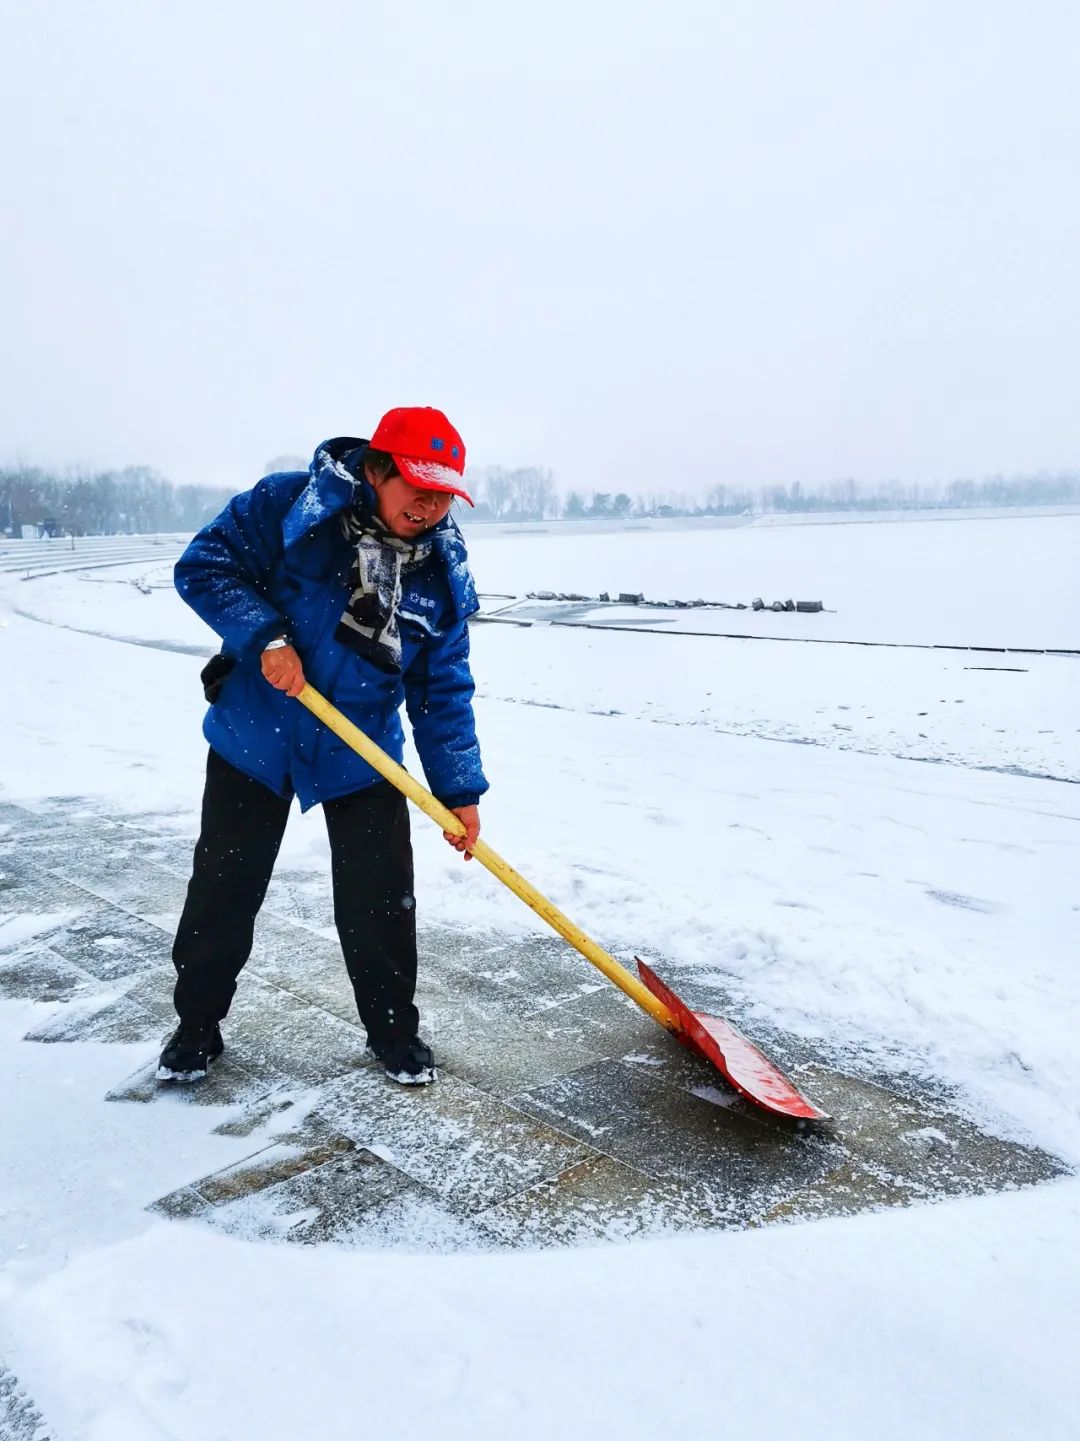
(426, 448)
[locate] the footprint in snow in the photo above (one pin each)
(964, 903)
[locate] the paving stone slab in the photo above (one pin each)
(734, 1166)
(506, 1057)
(18, 867)
(103, 1019)
(847, 1190)
(302, 895)
(898, 1151)
(282, 1109)
(183, 1205)
(598, 1199)
(546, 971)
(228, 1084)
(110, 943)
(604, 1020)
(268, 1167)
(280, 1037)
(28, 891)
(37, 973)
(171, 850)
(75, 831)
(324, 985)
(452, 1002)
(128, 881)
(73, 840)
(28, 822)
(357, 1199)
(468, 1148)
(302, 961)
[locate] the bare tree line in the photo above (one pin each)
(137, 500)
(1042, 488)
(133, 501)
(527, 493)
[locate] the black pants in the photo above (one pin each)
(372, 868)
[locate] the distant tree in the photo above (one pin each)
(499, 489)
(197, 504)
(601, 503)
(532, 493)
(962, 492)
(776, 498)
(621, 505)
(525, 493)
(574, 508)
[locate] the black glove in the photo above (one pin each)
(213, 675)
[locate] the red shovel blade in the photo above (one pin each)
(738, 1060)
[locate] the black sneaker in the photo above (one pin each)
(188, 1055)
(410, 1062)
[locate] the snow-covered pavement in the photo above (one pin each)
(904, 918)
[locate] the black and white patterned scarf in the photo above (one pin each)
(369, 625)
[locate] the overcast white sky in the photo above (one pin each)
(649, 245)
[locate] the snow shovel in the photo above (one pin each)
(738, 1060)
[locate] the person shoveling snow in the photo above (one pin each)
(368, 530)
(354, 576)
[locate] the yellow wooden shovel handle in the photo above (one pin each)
(398, 776)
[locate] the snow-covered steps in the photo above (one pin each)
(36, 559)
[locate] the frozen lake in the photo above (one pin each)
(1001, 582)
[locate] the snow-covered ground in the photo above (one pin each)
(907, 914)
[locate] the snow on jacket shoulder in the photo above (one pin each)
(276, 561)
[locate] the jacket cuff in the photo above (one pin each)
(268, 632)
(463, 798)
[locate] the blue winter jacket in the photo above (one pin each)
(275, 561)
